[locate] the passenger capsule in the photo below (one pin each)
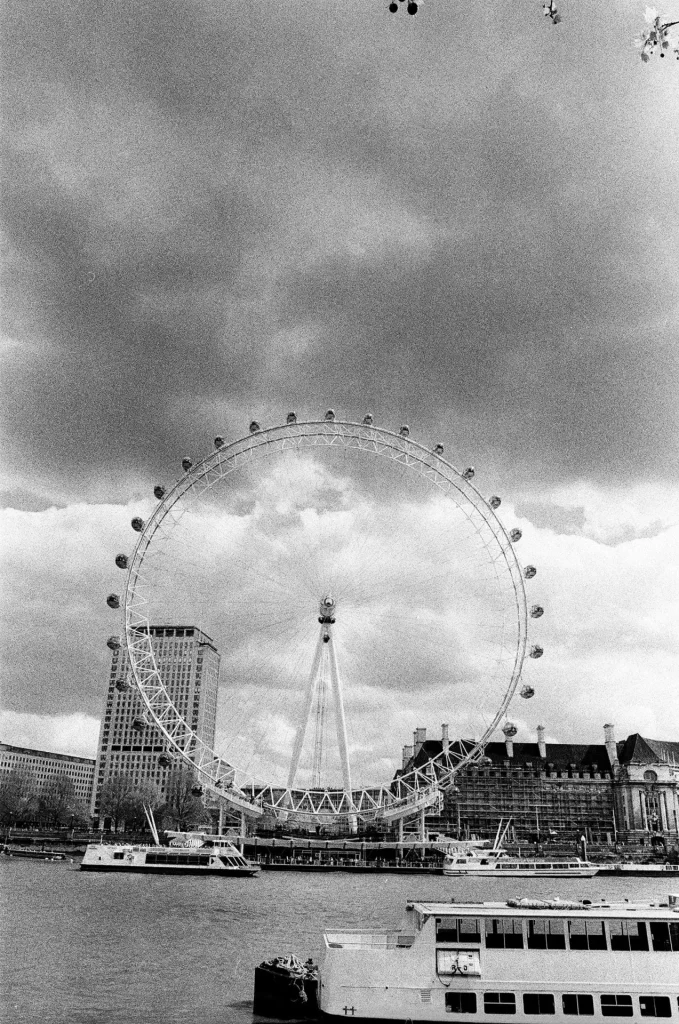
(405, 430)
(113, 643)
(438, 449)
(197, 790)
(486, 760)
(159, 491)
(330, 415)
(469, 473)
(527, 692)
(122, 685)
(515, 535)
(138, 524)
(412, 7)
(529, 572)
(495, 502)
(368, 420)
(121, 561)
(164, 761)
(509, 729)
(113, 601)
(186, 463)
(254, 427)
(536, 611)
(219, 442)
(138, 725)
(536, 651)
(291, 417)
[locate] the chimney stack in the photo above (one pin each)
(445, 741)
(407, 754)
(542, 746)
(419, 737)
(611, 745)
(509, 730)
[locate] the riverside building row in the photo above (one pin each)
(44, 767)
(611, 792)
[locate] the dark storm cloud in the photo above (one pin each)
(511, 280)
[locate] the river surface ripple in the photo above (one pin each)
(88, 948)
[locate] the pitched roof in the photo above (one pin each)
(561, 755)
(636, 748)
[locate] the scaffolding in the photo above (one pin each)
(543, 803)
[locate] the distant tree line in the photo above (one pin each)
(180, 807)
(25, 801)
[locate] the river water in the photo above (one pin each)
(89, 948)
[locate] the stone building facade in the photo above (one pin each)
(608, 792)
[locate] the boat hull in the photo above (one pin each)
(490, 872)
(283, 995)
(170, 869)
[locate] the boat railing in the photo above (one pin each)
(368, 940)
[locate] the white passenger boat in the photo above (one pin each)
(497, 862)
(526, 959)
(189, 853)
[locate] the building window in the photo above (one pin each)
(616, 1006)
(665, 937)
(504, 933)
(460, 1002)
(545, 933)
(538, 1002)
(627, 935)
(655, 1006)
(584, 934)
(458, 929)
(499, 1002)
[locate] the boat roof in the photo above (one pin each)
(665, 908)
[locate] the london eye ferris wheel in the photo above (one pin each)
(355, 583)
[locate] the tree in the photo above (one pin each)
(117, 800)
(146, 794)
(658, 36)
(18, 796)
(58, 804)
(183, 804)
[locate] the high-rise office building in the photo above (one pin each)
(188, 662)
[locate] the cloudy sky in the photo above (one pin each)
(466, 221)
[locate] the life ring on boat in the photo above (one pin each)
(130, 857)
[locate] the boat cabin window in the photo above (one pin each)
(499, 1002)
(118, 856)
(628, 935)
(457, 929)
(665, 937)
(546, 933)
(538, 1002)
(460, 1002)
(616, 1006)
(655, 1006)
(578, 1005)
(584, 934)
(504, 933)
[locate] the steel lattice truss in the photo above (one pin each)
(242, 791)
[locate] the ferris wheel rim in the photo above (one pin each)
(215, 770)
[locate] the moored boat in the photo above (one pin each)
(519, 958)
(194, 853)
(496, 862)
(31, 853)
